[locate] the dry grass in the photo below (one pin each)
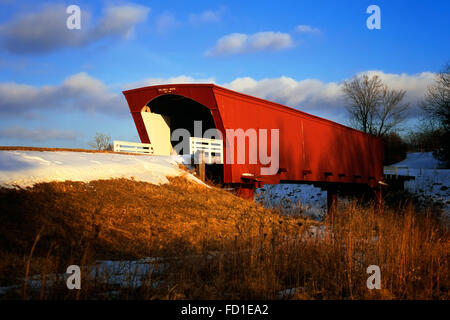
(329, 262)
(225, 247)
(120, 219)
(40, 149)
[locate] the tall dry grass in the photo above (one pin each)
(328, 262)
(214, 245)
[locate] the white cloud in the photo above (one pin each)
(415, 85)
(166, 22)
(310, 95)
(46, 30)
(79, 92)
(238, 43)
(303, 93)
(326, 98)
(306, 29)
(39, 134)
(207, 16)
(120, 20)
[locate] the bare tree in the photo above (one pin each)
(437, 109)
(373, 107)
(437, 99)
(101, 142)
(390, 113)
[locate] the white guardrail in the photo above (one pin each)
(396, 171)
(133, 147)
(212, 148)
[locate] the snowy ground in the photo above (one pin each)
(429, 182)
(25, 168)
(296, 199)
(123, 274)
(417, 160)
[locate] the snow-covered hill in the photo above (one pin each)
(419, 160)
(25, 168)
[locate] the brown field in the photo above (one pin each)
(214, 245)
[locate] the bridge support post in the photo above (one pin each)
(332, 199)
(246, 191)
(199, 162)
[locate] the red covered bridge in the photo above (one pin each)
(310, 149)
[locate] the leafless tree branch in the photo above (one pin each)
(373, 107)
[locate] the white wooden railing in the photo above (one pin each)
(133, 147)
(394, 171)
(212, 149)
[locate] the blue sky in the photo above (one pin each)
(59, 86)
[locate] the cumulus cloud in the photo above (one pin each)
(120, 21)
(310, 95)
(326, 98)
(415, 85)
(39, 134)
(46, 30)
(207, 16)
(238, 43)
(79, 92)
(306, 29)
(304, 94)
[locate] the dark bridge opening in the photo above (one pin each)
(181, 113)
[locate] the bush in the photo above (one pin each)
(394, 148)
(101, 142)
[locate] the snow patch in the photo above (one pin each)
(419, 160)
(429, 182)
(26, 168)
(295, 199)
